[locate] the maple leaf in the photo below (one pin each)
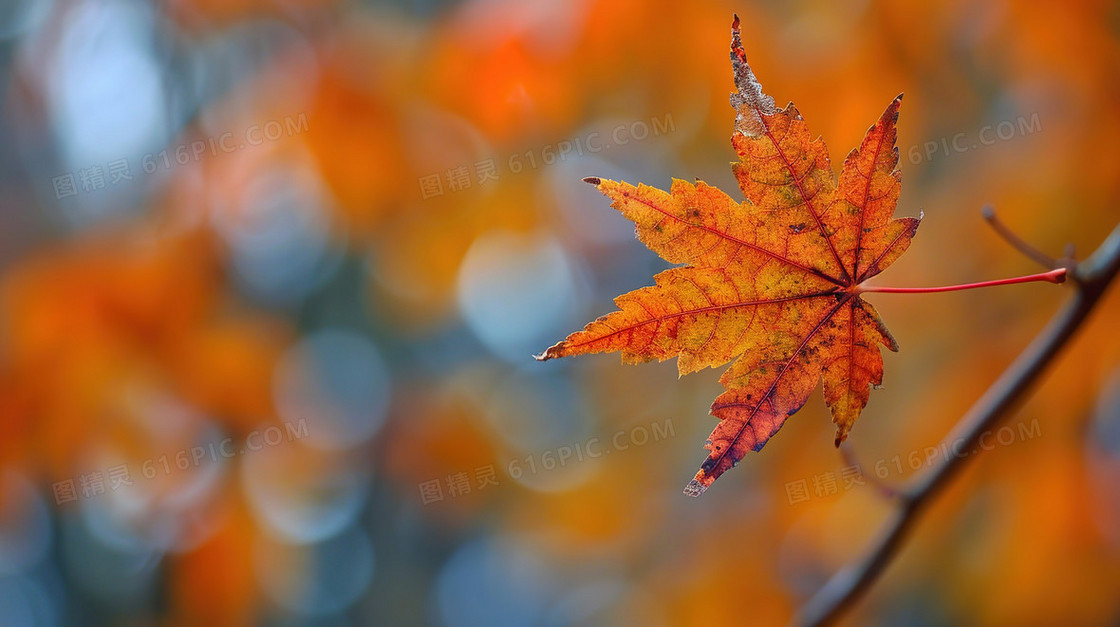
(773, 282)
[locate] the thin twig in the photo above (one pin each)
(1017, 242)
(1092, 277)
(886, 489)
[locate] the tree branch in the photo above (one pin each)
(1091, 277)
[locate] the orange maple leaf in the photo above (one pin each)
(773, 281)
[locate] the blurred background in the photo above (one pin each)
(271, 273)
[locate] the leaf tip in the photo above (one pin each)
(750, 102)
(890, 116)
(551, 353)
(695, 488)
(593, 180)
